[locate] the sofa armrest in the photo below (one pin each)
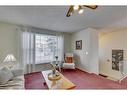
(17, 72)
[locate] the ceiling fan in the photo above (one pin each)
(79, 8)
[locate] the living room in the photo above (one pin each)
(45, 49)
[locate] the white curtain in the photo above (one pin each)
(61, 47)
(28, 51)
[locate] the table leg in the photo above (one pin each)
(44, 83)
(60, 68)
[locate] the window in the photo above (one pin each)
(45, 48)
(40, 48)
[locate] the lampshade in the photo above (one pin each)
(10, 58)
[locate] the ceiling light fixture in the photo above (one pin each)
(76, 7)
(80, 11)
(80, 8)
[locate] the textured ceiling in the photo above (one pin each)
(54, 17)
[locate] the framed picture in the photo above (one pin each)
(117, 56)
(79, 45)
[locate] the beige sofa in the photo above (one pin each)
(16, 83)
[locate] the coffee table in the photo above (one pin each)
(63, 83)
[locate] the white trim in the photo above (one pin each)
(83, 70)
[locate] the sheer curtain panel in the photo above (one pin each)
(38, 49)
(61, 47)
(28, 51)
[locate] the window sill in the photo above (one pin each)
(45, 62)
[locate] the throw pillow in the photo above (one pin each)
(69, 59)
(5, 75)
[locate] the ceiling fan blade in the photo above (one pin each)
(70, 11)
(91, 6)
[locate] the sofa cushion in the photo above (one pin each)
(68, 66)
(15, 83)
(17, 72)
(5, 75)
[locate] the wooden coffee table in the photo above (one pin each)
(63, 83)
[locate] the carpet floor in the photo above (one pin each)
(81, 79)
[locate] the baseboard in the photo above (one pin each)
(83, 70)
(113, 79)
(109, 75)
(103, 75)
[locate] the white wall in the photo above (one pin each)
(107, 42)
(67, 42)
(89, 39)
(8, 41)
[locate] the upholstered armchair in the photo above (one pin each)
(69, 61)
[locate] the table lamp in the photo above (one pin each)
(10, 59)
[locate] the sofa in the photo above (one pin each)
(16, 82)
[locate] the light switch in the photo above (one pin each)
(86, 52)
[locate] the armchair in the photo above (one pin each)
(69, 61)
